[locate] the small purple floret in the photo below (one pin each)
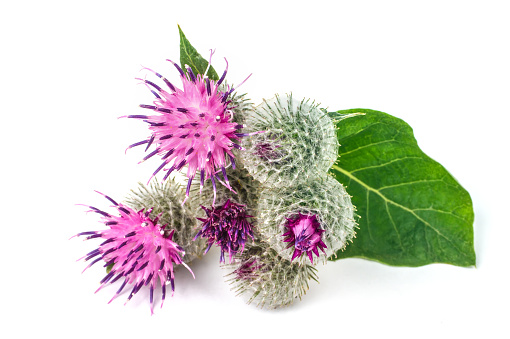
(304, 233)
(226, 226)
(268, 151)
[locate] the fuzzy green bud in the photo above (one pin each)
(268, 280)
(299, 142)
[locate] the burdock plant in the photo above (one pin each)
(274, 203)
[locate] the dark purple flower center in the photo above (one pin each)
(269, 151)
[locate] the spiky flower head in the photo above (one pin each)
(166, 199)
(193, 126)
(327, 207)
(304, 234)
(267, 279)
(299, 142)
(228, 227)
(137, 248)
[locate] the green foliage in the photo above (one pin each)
(412, 211)
(190, 57)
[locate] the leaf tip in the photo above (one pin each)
(181, 33)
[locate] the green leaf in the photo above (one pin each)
(412, 211)
(190, 57)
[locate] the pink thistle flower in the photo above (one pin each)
(193, 126)
(137, 248)
(304, 233)
(228, 227)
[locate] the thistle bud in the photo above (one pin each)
(268, 280)
(299, 142)
(311, 218)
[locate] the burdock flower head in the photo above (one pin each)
(137, 249)
(304, 233)
(299, 142)
(226, 226)
(303, 219)
(193, 126)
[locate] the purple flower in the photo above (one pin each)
(226, 226)
(304, 233)
(137, 249)
(192, 127)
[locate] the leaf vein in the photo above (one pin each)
(394, 225)
(366, 146)
(409, 183)
(384, 164)
(439, 211)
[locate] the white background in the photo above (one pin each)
(67, 73)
